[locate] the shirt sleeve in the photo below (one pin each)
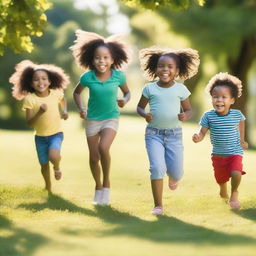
(122, 78)
(205, 121)
(145, 92)
(242, 117)
(60, 95)
(83, 79)
(27, 103)
(185, 93)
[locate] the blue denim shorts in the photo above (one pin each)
(44, 143)
(165, 152)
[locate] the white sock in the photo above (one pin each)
(105, 196)
(97, 197)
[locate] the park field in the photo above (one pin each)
(196, 221)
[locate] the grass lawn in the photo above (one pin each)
(196, 221)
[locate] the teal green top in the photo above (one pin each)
(102, 104)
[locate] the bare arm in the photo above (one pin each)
(78, 100)
(141, 109)
(197, 137)
(126, 95)
(63, 108)
(187, 110)
(31, 118)
(244, 144)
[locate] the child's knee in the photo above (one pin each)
(236, 174)
(54, 154)
(94, 158)
(103, 149)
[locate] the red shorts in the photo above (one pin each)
(223, 166)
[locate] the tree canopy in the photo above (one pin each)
(156, 4)
(19, 21)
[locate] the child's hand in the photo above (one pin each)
(244, 144)
(182, 116)
(42, 108)
(149, 117)
(83, 114)
(121, 102)
(64, 115)
(196, 138)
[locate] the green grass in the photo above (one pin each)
(196, 221)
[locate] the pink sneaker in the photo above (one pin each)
(158, 210)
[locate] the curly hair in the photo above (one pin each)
(225, 79)
(86, 43)
(187, 61)
(23, 75)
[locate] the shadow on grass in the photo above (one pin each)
(249, 213)
(16, 241)
(163, 230)
(55, 202)
(166, 229)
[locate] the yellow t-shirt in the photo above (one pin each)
(49, 122)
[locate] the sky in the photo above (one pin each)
(117, 22)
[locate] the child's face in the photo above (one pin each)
(222, 99)
(102, 59)
(166, 69)
(41, 82)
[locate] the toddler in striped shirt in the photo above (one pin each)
(227, 131)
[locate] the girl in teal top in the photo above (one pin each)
(101, 58)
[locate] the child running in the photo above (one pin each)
(169, 104)
(41, 87)
(227, 131)
(101, 58)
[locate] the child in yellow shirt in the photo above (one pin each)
(41, 87)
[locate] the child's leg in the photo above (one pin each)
(157, 190)
(223, 190)
(106, 138)
(174, 157)
(235, 182)
(93, 145)
(156, 155)
(54, 157)
(45, 170)
(55, 142)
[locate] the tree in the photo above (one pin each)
(20, 19)
(223, 30)
(226, 31)
(156, 4)
(52, 47)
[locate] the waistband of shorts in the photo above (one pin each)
(49, 136)
(165, 131)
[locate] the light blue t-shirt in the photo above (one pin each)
(102, 104)
(164, 104)
(224, 131)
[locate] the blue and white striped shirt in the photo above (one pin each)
(224, 131)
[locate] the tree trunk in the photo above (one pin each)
(240, 68)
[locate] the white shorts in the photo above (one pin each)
(93, 127)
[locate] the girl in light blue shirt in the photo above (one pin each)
(169, 106)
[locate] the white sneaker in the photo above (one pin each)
(97, 197)
(105, 196)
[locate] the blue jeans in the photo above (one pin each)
(44, 143)
(165, 152)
